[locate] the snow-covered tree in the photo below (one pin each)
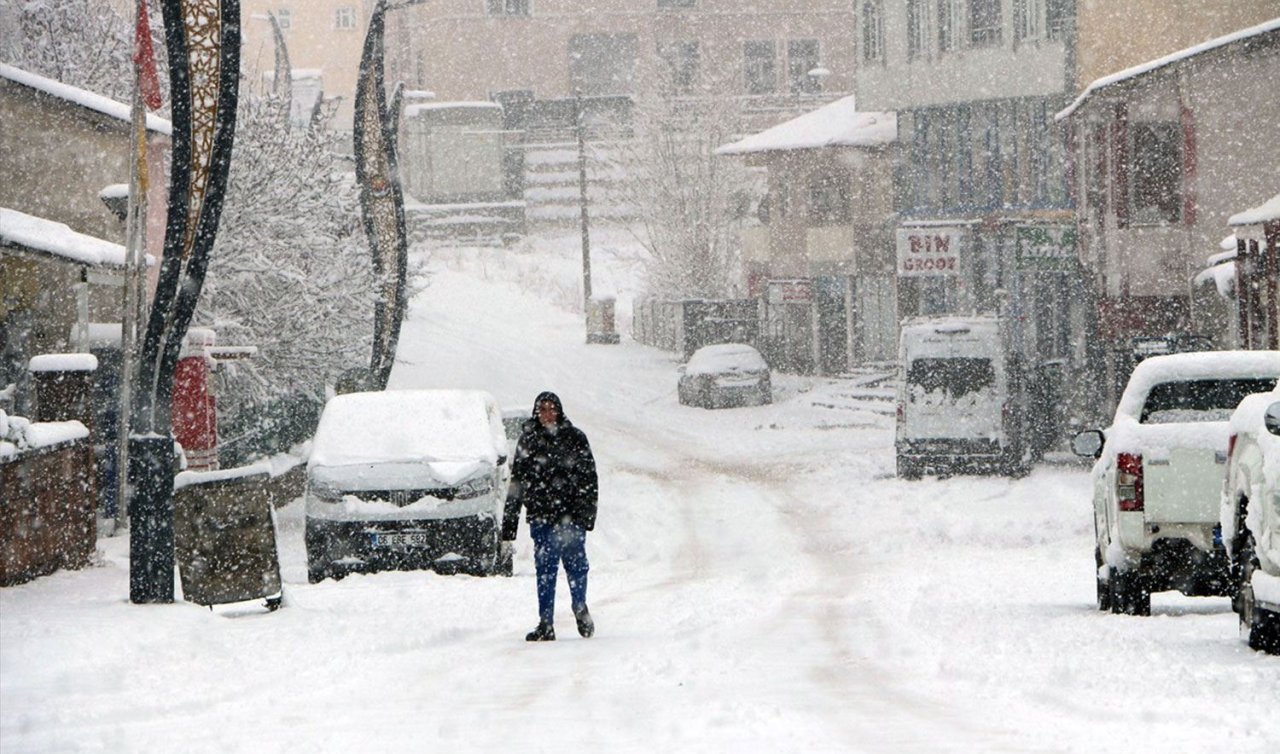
(84, 43)
(688, 201)
(290, 272)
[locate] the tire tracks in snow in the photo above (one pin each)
(881, 712)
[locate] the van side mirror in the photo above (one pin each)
(1271, 419)
(502, 460)
(1088, 444)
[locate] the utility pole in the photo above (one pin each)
(580, 117)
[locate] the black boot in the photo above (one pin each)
(544, 632)
(586, 626)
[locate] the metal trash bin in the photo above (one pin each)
(225, 536)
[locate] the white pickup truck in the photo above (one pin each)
(1158, 476)
(1250, 518)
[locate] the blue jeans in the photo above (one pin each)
(553, 543)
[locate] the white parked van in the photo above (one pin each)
(406, 479)
(960, 403)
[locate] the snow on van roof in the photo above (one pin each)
(956, 324)
(1200, 365)
(408, 426)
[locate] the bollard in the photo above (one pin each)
(151, 519)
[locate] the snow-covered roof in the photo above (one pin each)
(1268, 211)
(1151, 65)
(81, 97)
(1223, 277)
(28, 231)
(1228, 243)
(836, 124)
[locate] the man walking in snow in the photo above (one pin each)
(553, 477)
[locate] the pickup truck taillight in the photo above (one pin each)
(1231, 446)
(902, 411)
(1129, 481)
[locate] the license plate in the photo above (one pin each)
(402, 539)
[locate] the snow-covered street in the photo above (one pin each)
(761, 582)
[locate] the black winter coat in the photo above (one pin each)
(553, 475)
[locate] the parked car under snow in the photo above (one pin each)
(406, 479)
(1159, 473)
(1250, 518)
(725, 375)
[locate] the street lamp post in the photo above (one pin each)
(581, 127)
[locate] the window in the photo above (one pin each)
(344, 18)
(829, 198)
(1199, 400)
(984, 23)
(760, 71)
(872, 31)
(508, 7)
(1057, 18)
(682, 59)
(1026, 19)
(282, 18)
(917, 30)
(949, 20)
(802, 57)
(956, 377)
(1156, 195)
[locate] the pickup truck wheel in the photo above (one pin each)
(1104, 587)
(1129, 596)
(1262, 627)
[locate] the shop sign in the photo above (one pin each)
(930, 251)
(1046, 248)
(796, 291)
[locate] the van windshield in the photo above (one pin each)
(956, 376)
(1199, 400)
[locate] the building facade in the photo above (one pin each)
(984, 214)
(819, 255)
(1165, 153)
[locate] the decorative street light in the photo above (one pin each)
(203, 41)
(381, 198)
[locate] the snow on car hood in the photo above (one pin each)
(725, 358)
(445, 436)
(425, 475)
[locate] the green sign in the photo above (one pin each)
(1046, 248)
